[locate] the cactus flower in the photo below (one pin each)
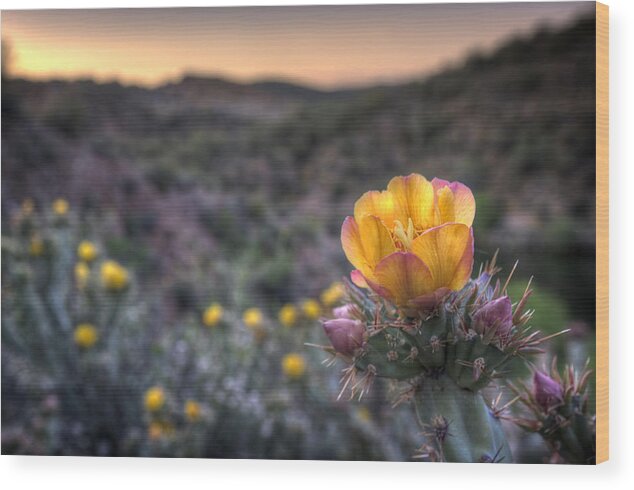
(113, 275)
(412, 243)
(154, 399)
(60, 207)
(159, 430)
(36, 246)
(294, 365)
(155, 431)
(82, 274)
(27, 207)
(547, 392)
(252, 318)
(192, 410)
(332, 294)
(85, 336)
(345, 335)
(498, 314)
(87, 251)
(213, 314)
(287, 315)
(311, 309)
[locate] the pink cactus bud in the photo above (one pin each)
(348, 311)
(547, 392)
(345, 335)
(496, 313)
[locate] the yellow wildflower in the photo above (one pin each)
(87, 251)
(155, 430)
(333, 294)
(213, 314)
(154, 399)
(287, 315)
(113, 276)
(193, 410)
(86, 335)
(159, 429)
(252, 318)
(293, 365)
(82, 273)
(412, 243)
(27, 207)
(60, 207)
(36, 247)
(311, 309)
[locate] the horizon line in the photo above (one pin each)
(107, 58)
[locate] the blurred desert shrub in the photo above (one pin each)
(71, 329)
(88, 367)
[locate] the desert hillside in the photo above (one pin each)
(203, 166)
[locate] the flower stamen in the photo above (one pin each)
(406, 237)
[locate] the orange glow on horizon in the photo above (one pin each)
(323, 46)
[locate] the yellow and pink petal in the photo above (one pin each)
(447, 251)
(376, 240)
(351, 243)
(454, 202)
(414, 198)
(401, 277)
(357, 278)
(366, 243)
(376, 203)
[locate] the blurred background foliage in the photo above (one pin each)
(209, 192)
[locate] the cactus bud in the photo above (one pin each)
(547, 392)
(348, 311)
(345, 335)
(498, 314)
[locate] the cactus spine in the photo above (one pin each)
(458, 425)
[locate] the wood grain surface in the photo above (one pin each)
(602, 311)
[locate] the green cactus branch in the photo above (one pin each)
(446, 355)
(458, 425)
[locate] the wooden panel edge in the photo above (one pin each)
(602, 232)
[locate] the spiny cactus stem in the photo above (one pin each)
(474, 435)
(572, 448)
(575, 438)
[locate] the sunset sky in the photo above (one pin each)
(327, 46)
